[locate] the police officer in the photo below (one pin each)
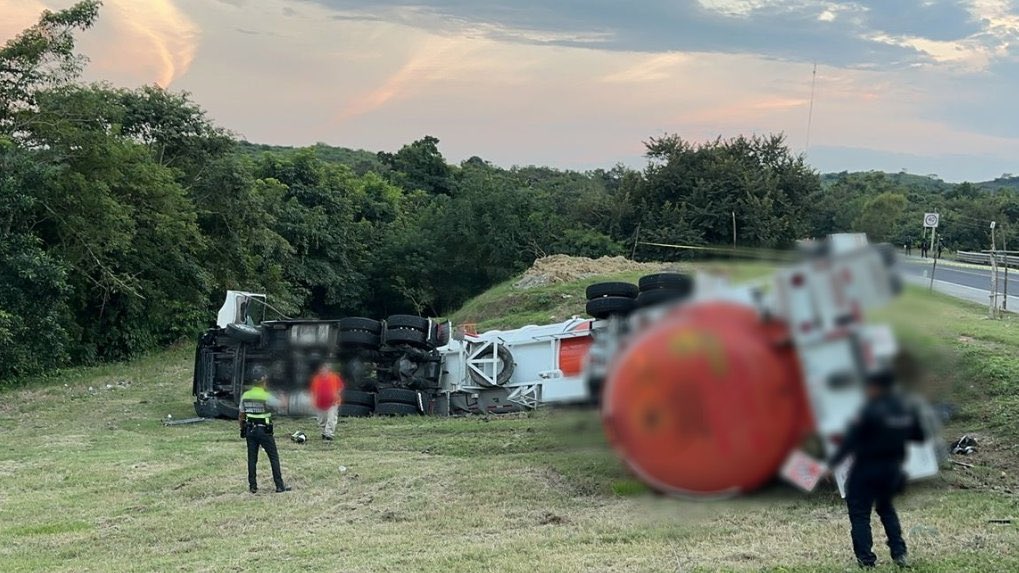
(256, 427)
(877, 441)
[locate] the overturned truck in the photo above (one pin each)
(401, 365)
(705, 388)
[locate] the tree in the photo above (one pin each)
(33, 283)
(880, 215)
(41, 57)
(419, 165)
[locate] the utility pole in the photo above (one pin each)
(810, 112)
(636, 239)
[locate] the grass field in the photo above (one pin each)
(91, 480)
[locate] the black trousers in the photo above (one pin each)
(259, 437)
(872, 485)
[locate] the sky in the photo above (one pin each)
(925, 86)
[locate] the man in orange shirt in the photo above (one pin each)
(326, 389)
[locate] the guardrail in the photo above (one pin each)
(985, 258)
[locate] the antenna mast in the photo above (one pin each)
(810, 113)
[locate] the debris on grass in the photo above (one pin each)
(171, 422)
(965, 445)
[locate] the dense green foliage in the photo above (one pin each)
(125, 213)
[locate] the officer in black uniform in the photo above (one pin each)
(877, 441)
(256, 427)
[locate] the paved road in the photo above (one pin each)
(967, 277)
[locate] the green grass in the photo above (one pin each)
(505, 306)
(92, 481)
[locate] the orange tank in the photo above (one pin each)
(708, 402)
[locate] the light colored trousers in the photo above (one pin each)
(327, 420)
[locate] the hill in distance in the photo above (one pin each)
(362, 161)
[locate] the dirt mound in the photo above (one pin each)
(564, 268)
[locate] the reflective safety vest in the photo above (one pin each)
(255, 404)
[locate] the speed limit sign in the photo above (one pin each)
(930, 220)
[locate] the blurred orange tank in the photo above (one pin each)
(707, 402)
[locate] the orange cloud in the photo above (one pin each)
(153, 37)
(431, 61)
(136, 40)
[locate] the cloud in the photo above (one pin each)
(649, 69)
(863, 33)
(428, 64)
(151, 41)
(164, 38)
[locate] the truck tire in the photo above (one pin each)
(363, 324)
(660, 296)
(672, 281)
(358, 339)
(398, 395)
(244, 332)
(407, 321)
(598, 290)
(406, 336)
(354, 411)
(357, 397)
(607, 306)
(396, 409)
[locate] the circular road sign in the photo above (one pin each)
(930, 219)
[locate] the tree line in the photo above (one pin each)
(126, 213)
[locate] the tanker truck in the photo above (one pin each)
(705, 388)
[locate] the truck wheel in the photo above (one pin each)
(659, 296)
(395, 409)
(407, 321)
(244, 332)
(358, 339)
(607, 306)
(598, 290)
(406, 336)
(672, 281)
(398, 395)
(354, 411)
(356, 397)
(359, 323)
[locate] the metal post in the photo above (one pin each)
(1004, 247)
(992, 311)
(636, 239)
(734, 229)
(934, 232)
